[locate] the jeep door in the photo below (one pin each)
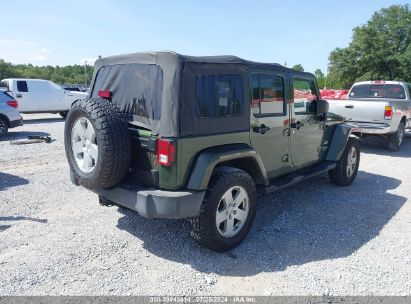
(306, 128)
(269, 120)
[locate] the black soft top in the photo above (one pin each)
(171, 112)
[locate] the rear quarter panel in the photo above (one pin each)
(188, 149)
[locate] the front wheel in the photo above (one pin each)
(227, 212)
(347, 167)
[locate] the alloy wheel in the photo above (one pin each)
(84, 144)
(351, 162)
(232, 211)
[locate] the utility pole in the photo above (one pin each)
(85, 74)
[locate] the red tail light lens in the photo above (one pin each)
(105, 94)
(388, 112)
(165, 152)
(13, 103)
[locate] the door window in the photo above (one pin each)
(22, 86)
(305, 95)
(268, 95)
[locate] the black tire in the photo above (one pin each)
(204, 228)
(4, 127)
(339, 175)
(114, 148)
(395, 140)
(63, 114)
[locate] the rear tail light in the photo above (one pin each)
(165, 152)
(13, 103)
(388, 112)
(105, 94)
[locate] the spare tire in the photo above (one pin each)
(97, 143)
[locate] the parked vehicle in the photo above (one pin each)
(41, 96)
(9, 114)
(381, 108)
(175, 136)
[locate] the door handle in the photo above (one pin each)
(296, 125)
(349, 106)
(261, 129)
(19, 96)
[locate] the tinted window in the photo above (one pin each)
(268, 94)
(219, 95)
(22, 86)
(394, 91)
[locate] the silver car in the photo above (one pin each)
(381, 108)
(9, 113)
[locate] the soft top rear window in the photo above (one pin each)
(136, 89)
(394, 91)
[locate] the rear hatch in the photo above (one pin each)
(136, 89)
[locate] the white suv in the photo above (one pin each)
(9, 114)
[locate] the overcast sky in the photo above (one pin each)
(69, 32)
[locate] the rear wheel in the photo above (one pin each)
(4, 127)
(227, 212)
(395, 140)
(347, 167)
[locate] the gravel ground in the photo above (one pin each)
(311, 239)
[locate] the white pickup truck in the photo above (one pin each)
(41, 96)
(381, 108)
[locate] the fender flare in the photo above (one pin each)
(208, 159)
(339, 141)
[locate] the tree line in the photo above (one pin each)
(71, 74)
(380, 49)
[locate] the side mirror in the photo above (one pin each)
(322, 106)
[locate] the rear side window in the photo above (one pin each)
(22, 86)
(394, 91)
(219, 95)
(268, 94)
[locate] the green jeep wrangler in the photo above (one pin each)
(174, 136)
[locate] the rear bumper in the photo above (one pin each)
(371, 128)
(16, 123)
(154, 203)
